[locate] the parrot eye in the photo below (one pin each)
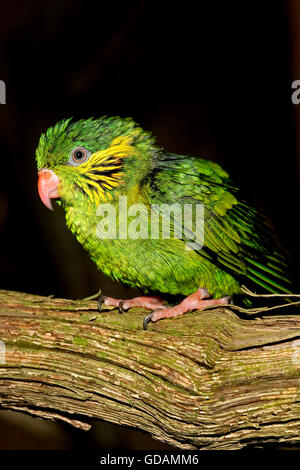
(79, 155)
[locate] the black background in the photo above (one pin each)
(207, 78)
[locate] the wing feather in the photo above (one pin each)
(237, 237)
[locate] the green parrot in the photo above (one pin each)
(93, 165)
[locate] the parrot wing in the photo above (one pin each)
(237, 238)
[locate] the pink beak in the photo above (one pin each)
(47, 186)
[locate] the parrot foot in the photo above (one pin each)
(147, 302)
(191, 302)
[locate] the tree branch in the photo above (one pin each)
(209, 379)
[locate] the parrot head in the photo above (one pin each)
(92, 158)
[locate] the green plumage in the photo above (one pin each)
(239, 245)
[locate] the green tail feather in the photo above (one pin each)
(273, 280)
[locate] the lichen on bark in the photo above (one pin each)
(208, 380)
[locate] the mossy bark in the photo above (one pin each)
(209, 379)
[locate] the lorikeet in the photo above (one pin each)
(93, 162)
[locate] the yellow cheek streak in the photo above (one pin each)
(102, 172)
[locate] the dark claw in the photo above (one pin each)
(100, 302)
(120, 306)
(146, 320)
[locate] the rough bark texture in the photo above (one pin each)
(209, 379)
